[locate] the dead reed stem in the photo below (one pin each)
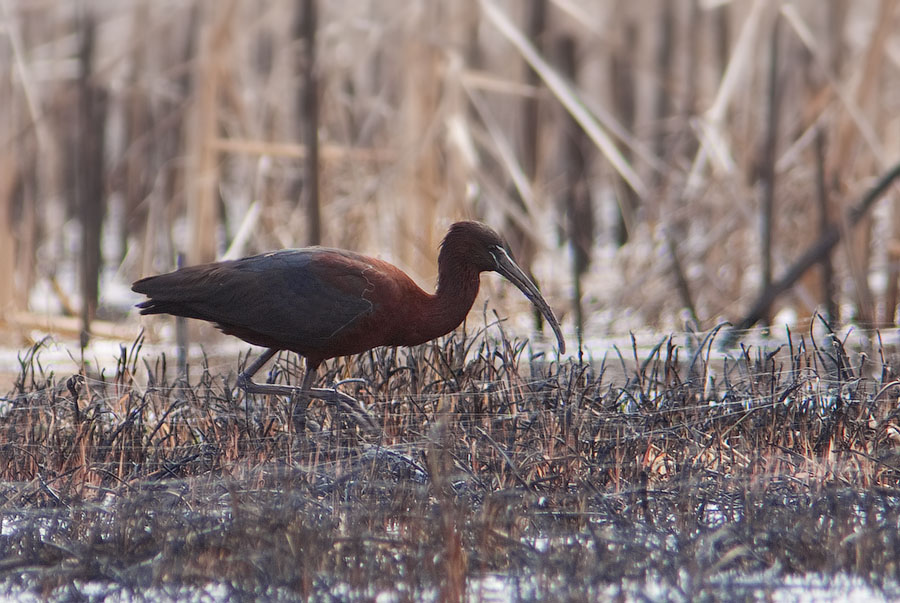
(308, 101)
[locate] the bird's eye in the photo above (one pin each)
(497, 253)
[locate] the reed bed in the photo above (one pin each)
(698, 474)
(649, 161)
(654, 164)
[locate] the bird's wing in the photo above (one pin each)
(300, 297)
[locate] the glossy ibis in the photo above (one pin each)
(322, 303)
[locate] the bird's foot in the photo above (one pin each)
(300, 400)
(245, 383)
(345, 403)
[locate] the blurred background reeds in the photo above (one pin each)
(654, 164)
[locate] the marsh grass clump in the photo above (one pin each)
(704, 476)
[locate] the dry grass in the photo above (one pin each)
(568, 480)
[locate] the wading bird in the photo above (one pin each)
(322, 303)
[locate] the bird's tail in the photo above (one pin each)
(165, 297)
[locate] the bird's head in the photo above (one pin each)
(480, 246)
(474, 244)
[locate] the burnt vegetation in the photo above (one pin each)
(648, 161)
(706, 474)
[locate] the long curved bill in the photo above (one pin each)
(508, 268)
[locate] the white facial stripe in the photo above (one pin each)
(497, 249)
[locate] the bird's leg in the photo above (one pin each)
(300, 396)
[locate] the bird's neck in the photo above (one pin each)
(448, 307)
